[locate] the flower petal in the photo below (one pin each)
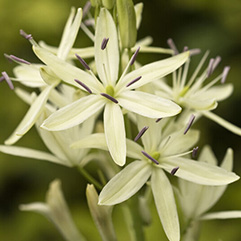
(165, 204)
(220, 92)
(31, 116)
(126, 183)
(229, 126)
(153, 71)
(198, 103)
(107, 60)
(222, 215)
(74, 114)
(148, 105)
(30, 153)
(199, 172)
(67, 72)
(115, 133)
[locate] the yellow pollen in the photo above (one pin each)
(156, 155)
(109, 90)
(184, 91)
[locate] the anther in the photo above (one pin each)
(149, 157)
(174, 170)
(141, 133)
(225, 74)
(194, 52)
(86, 8)
(194, 152)
(157, 120)
(189, 123)
(84, 64)
(134, 81)
(172, 45)
(16, 59)
(134, 56)
(210, 67)
(8, 80)
(185, 49)
(216, 63)
(25, 35)
(110, 98)
(104, 43)
(1, 79)
(83, 85)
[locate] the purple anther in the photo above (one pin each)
(225, 74)
(194, 152)
(141, 133)
(194, 52)
(217, 60)
(8, 80)
(83, 85)
(86, 8)
(185, 49)
(25, 35)
(109, 97)
(174, 170)
(134, 56)
(85, 65)
(133, 81)
(104, 43)
(14, 58)
(89, 22)
(172, 45)
(189, 123)
(157, 120)
(210, 67)
(1, 79)
(149, 157)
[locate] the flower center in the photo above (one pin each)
(156, 155)
(109, 90)
(184, 91)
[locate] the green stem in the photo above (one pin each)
(89, 178)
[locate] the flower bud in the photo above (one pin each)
(127, 22)
(108, 3)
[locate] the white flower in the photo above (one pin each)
(111, 93)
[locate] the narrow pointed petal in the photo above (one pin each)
(222, 215)
(229, 126)
(153, 71)
(199, 172)
(220, 92)
(107, 60)
(74, 114)
(126, 183)
(148, 105)
(30, 153)
(31, 116)
(70, 32)
(115, 133)
(165, 204)
(197, 103)
(67, 72)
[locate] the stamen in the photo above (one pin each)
(216, 62)
(89, 22)
(189, 123)
(185, 49)
(84, 86)
(150, 157)
(172, 45)
(194, 152)
(15, 58)
(104, 43)
(134, 81)
(141, 133)
(134, 56)
(25, 35)
(210, 67)
(85, 65)
(1, 79)
(109, 97)
(86, 9)
(174, 170)
(194, 52)
(157, 120)
(8, 80)
(225, 74)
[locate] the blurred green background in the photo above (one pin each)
(213, 25)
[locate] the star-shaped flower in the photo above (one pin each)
(110, 92)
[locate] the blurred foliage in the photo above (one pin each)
(213, 25)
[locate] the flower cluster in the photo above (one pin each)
(113, 108)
